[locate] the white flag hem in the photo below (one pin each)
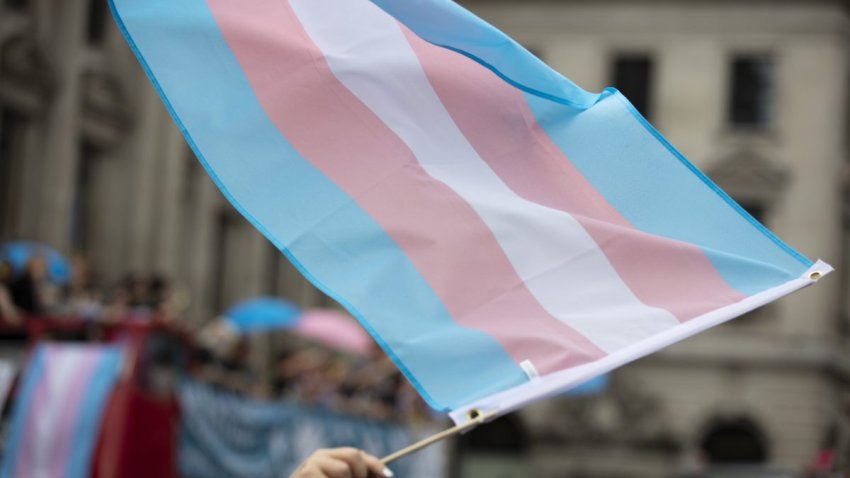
(559, 382)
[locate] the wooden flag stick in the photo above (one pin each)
(478, 419)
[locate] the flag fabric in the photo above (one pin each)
(58, 410)
(503, 234)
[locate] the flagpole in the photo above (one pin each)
(477, 418)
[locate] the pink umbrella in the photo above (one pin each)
(334, 329)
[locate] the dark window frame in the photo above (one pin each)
(751, 93)
(96, 22)
(633, 74)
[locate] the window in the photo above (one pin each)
(734, 441)
(633, 77)
(96, 22)
(751, 90)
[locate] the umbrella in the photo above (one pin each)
(327, 326)
(334, 329)
(19, 253)
(262, 314)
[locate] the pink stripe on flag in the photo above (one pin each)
(348, 143)
(496, 120)
(72, 405)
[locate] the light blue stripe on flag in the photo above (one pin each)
(659, 192)
(259, 171)
(20, 410)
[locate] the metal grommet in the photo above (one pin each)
(473, 414)
(815, 276)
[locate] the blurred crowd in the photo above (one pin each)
(31, 292)
(300, 371)
(310, 374)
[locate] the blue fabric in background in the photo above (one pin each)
(223, 435)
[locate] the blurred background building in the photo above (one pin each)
(753, 92)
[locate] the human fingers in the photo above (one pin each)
(362, 464)
(321, 464)
(335, 468)
(353, 458)
(376, 466)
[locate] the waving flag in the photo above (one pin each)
(58, 411)
(502, 233)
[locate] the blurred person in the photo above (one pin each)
(139, 298)
(282, 379)
(217, 340)
(380, 389)
(136, 297)
(118, 304)
(81, 297)
(330, 395)
(162, 364)
(341, 463)
(170, 300)
(241, 374)
(166, 302)
(408, 406)
(238, 375)
(32, 291)
(302, 373)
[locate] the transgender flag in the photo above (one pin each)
(58, 410)
(503, 234)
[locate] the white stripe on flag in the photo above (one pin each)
(560, 263)
(554, 384)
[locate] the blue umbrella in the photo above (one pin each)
(262, 314)
(19, 253)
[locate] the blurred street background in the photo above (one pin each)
(753, 92)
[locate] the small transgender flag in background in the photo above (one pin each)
(57, 417)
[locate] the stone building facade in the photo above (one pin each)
(92, 163)
(753, 92)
